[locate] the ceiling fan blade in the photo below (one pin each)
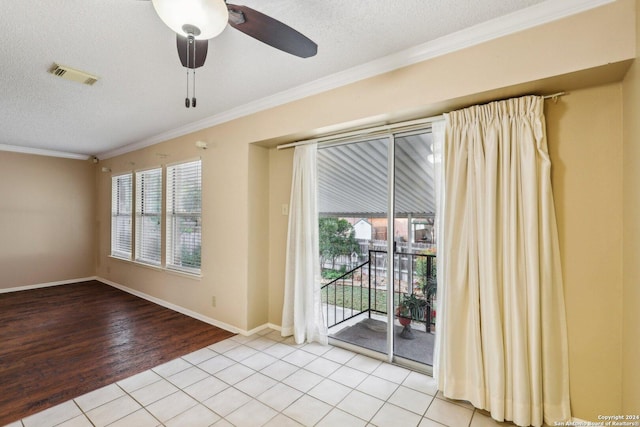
(270, 31)
(195, 60)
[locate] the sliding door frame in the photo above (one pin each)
(391, 216)
(391, 243)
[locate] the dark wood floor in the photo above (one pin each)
(61, 342)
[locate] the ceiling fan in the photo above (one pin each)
(197, 21)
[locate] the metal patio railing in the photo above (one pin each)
(363, 289)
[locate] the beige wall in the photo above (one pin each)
(47, 204)
(280, 174)
(592, 39)
(585, 131)
(225, 229)
(435, 86)
(585, 140)
(585, 144)
(601, 36)
(594, 136)
(631, 238)
(47, 223)
(258, 258)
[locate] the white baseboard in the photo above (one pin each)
(175, 307)
(151, 298)
(261, 328)
(46, 285)
(276, 327)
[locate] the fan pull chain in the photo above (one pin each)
(193, 99)
(187, 102)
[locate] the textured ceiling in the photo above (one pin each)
(141, 89)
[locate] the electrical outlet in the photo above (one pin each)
(285, 209)
(213, 301)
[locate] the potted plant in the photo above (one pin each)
(410, 308)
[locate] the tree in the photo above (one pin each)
(337, 237)
(425, 270)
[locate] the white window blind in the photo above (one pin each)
(121, 205)
(148, 216)
(184, 214)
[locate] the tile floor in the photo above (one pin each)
(265, 380)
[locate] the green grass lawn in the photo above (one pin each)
(355, 297)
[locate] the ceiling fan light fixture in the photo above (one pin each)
(208, 17)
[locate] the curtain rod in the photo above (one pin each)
(555, 96)
(363, 132)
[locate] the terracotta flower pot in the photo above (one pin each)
(404, 321)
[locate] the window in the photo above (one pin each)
(184, 207)
(148, 216)
(183, 216)
(121, 216)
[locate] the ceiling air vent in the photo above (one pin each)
(72, 74)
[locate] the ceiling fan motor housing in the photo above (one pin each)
(191, 30)
(209, 17)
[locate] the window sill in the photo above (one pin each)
(192, 276)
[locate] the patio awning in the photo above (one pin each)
(352, 178)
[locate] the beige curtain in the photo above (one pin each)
(502, 334)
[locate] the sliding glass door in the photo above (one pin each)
(376, 198)
(414, 283)
(353, 209)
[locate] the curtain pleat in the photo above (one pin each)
(302, 310)
(502, 341)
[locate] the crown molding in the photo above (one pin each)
(42, 152)
(533, 16)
